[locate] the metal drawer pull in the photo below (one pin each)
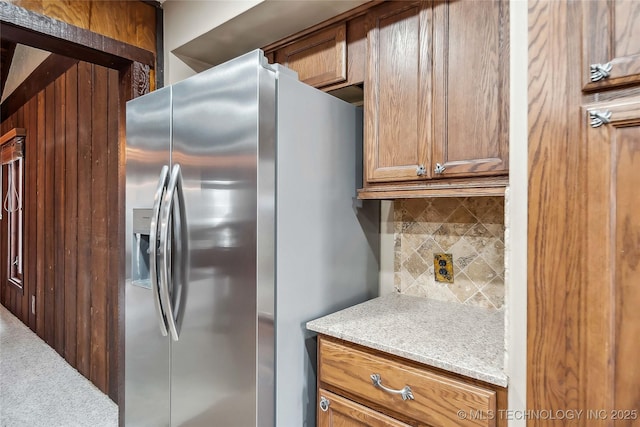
(600, 71)
(405, 392)
(439, 169)
(421, 170)
(324, 404)
(599, 118)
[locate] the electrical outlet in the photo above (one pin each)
(443, 267)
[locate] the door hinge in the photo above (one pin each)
(33, 304)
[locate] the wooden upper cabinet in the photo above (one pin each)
(611, 43)
(436, 97)
(320, 59)
(398, 92)
(471, 88)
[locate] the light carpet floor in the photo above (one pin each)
(39, 388)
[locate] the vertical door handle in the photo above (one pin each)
(173, 300)
(153, 247)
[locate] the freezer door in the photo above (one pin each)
(147, 346)
(215, 142)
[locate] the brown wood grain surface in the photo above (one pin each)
(72, 202)
(437, 398)
(99, 214)
(85, 201)
(71, 214)
(611, 34)
(49, 217)
(132, 22)
(471, 88)
(60, 188)
(557, 226)
(612, 326)
(345, 413)
(319, 59)
(397, 95)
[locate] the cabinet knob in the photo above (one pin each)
(324, 404)
(599, 118)
(600, 71)
(421, 170)
(439, 169)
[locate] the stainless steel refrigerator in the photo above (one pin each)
(242, 224)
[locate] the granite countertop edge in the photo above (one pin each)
(338, 325)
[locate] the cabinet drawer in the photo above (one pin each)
(342, 412)
(437, 399)
(320, 59)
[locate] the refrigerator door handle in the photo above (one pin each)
(153, 247)
(174, 299)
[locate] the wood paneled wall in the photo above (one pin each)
(71, 253)
(132, 22)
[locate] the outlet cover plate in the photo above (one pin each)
(443, 267)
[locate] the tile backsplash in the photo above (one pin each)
(471, 229)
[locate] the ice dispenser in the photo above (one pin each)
(140, 253)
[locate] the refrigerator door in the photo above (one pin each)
(147, 348)
(215, 142)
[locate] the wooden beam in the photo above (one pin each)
(32, 29)
(50, 69)
(8, 48)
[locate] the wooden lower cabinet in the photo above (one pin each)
(407, 393)
(336, 411)
(612, 326)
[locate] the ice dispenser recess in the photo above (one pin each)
(140, 254)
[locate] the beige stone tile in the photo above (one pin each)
(397, 280)
(415, 266)
(480, 272)
(479, 300)
(494, 291)
(406, 280)
(462, 215)
(444, 239)
(493, 254)
(414, 208)
(496, 229)
(463, 254)
(428, 248)
(417, 291)
(446, 205)
(462, 287)
(478, 230)
(438, 291)
(397, 210)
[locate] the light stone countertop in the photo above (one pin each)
(462, 339)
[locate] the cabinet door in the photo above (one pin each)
(320, 59)
(471, 88)
(611, 43)
(397, 94)
(336, 411)
(613, 258)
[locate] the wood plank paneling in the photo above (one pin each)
(73, 200)
(49, 200)
(71, 213)
(113, 226)
(83, 291)
(40, 203)
(99, 252)
(58, 209)
(31, 208)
